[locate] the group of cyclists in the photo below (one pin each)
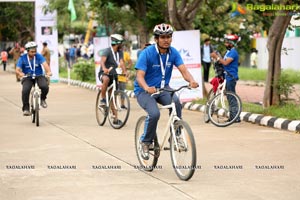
(153, 70)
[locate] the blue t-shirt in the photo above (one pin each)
(24, 65)
(232, 67)
(149, 62)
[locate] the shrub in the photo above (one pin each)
(85, 69)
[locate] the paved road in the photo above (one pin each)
(68, 137)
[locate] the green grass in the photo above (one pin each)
(250, 74)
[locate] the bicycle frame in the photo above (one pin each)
(170, 124)
(111, 88)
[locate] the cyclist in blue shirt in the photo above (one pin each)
(32, 63)
(230, 63)
(153, 70)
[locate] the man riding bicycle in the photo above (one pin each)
(154, 69)
(32, 63)
(230, 63)
(111, 59)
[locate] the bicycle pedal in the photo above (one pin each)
(167, 148)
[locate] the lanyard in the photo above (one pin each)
(32, 69)
(116, 58)
(163, 71)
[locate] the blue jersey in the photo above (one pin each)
(149, 62)
(29, 69)
(232, 67)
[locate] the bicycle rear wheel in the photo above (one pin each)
(101, 110)
(210, 96)
(154, 151)
(224, 109)
(183, 151)
(119, 110)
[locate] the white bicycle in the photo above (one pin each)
(178, 135)
(222, 107)
(116, 109)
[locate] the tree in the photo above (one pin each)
(274, 45)
(182, 16)
(16, 25)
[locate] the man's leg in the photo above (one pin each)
(149, 104)
(206, 67)
(15, 65)
(105, 81)
(43, 85)
(27, 85)
(4, 65)
(230, 86)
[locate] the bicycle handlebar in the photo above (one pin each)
(171, 90)
(33, 76)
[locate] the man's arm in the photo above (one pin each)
(47, 68)
(215, 56)
(187, 76)
(140, 77)
(102, 64)
(19, 72)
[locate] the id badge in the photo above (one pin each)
(162, 84)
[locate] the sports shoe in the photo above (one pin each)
(123, 107)
(117, 122)
(44, 104)
(178, 131)
(102, 102)
(26, 113)
(145, 151)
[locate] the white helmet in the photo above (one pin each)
(116, 39)
(163, 29)
(30, 45)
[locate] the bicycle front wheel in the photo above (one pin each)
(224, 109)
(119, 108)
(183, 150)
(154, 151)
(32, 109)
(37, 110)
(101, 110)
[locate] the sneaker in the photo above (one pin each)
(238, 121)
(178, 131)
(117, 122)
(145, 151)
(102, 102)
(26, 113)
(123, 107)
(44, 104)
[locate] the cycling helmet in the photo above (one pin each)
(30, 45)
(116, 39)
(162, 29)
(232, 39)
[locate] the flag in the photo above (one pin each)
(71, 8)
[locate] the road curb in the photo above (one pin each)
(269, 121)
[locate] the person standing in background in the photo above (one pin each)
(253, 58)
(4, 56)
(206, 50)
(46, 53)
(16, 53)
(72, 55)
